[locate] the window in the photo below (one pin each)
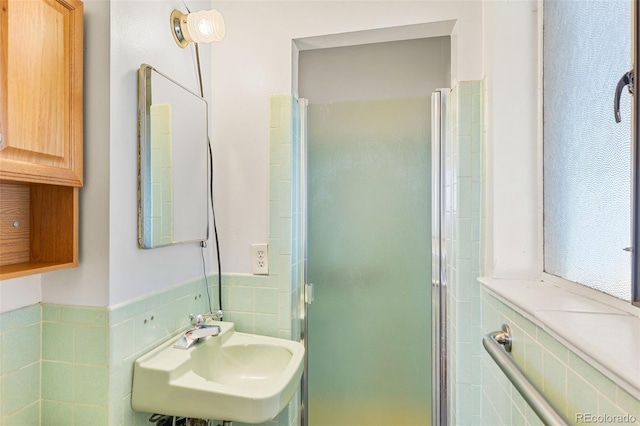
(587, 155)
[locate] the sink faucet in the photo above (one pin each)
(198, 331)
(193, 336)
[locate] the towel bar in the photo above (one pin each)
(492, 342)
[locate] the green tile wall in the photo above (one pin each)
(75, 364)
(20, 348)
(464, 232)
(571, 385)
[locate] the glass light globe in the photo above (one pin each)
(206, 26)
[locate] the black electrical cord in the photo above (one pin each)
(215, 233)
(213, 212)
(204, 275)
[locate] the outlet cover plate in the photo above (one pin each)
(260, 259)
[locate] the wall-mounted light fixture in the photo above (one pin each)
(204, 26)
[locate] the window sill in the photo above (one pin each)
(603, 334)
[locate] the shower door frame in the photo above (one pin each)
(305, 294)
(439, 347)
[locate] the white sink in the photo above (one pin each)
(233, 376)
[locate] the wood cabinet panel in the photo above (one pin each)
(14, 223)
(41, 91)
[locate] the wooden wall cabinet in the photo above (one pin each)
(41, 77)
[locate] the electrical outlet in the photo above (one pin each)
(260, 259)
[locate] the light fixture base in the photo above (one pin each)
(177, 19)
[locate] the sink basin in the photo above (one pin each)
(232, 376)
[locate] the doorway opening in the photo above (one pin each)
(368, 331)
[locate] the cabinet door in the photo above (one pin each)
(41, 91)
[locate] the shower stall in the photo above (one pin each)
(375, 334)
(369, 260)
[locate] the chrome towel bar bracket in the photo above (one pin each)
(504, 337)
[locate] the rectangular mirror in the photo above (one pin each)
(173, 162)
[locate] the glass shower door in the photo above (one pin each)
(369, 258)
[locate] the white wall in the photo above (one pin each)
(254, 62)
(19, 292)
(510, 33)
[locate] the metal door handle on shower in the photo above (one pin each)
(626, 80)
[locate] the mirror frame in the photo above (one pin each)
(145, 230)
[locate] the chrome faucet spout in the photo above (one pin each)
(193, 335)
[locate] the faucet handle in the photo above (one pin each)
(198, 320)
